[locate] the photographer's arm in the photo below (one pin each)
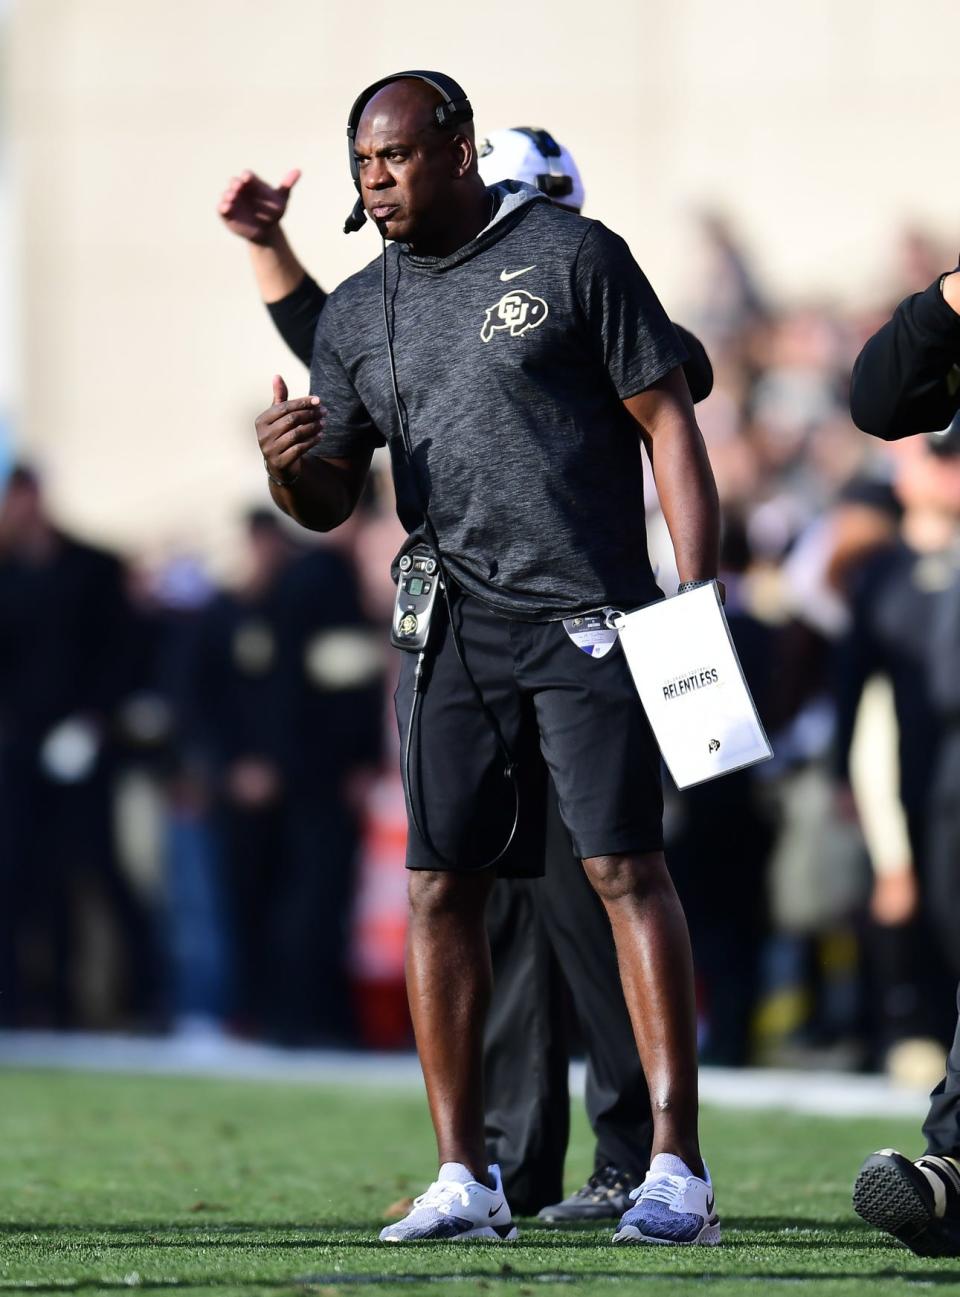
(681, 467)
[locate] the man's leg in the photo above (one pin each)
(460, 811)
(919, 1202)
(617, 1102)
(942, 1126)
(448, 985)
(525, 1057)
(656, 970)
(605, 765)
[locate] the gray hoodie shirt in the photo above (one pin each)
(513, 357)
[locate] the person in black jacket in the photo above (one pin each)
(906, 381)
(550, 938)
(907, 377)
(64, 638)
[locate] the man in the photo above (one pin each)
(521, 410)
(907, 380)
(65, 626)
(550, 934)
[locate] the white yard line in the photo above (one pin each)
(835, 1094)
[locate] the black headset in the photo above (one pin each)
(454, 110)
(554, 182)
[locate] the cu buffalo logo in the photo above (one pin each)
(517, 311)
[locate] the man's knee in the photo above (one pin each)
(615, 877)
(433, 892)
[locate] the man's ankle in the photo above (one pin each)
(690, 1157)
(477, 1170)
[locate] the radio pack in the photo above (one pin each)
(416, 594)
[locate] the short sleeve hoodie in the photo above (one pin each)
(513, 358)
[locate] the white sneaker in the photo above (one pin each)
(456, 1207)
(671, 1208)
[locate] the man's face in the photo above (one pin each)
(407, 166)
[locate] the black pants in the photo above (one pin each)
(942, 1127)
(551, 942)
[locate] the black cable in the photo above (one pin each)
(510, 770)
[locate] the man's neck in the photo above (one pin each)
(472, 215)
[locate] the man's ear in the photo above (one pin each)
(464, 155)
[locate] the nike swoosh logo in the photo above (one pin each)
(710, 1202)
(493, 1210)
(507, 275)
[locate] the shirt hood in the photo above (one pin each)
(511, 199)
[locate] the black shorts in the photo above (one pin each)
(582, 713)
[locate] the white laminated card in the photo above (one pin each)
(691, 684)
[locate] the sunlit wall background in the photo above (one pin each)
(133, 354)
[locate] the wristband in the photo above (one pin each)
(684, 586)
(277, 481)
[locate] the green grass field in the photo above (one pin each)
(109, 1183)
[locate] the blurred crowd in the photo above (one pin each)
(201, 820)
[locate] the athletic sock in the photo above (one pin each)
(457, 1172)
(667, 1164)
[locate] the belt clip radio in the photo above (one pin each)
(416, 595)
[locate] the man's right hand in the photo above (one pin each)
(253, 209)
(287, 430)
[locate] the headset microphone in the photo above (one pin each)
(356, 218)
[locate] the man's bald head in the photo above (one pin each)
(417, 178)
(409, 104)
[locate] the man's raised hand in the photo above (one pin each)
(252, 209)
(287, 430)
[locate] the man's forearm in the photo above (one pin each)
(688, 498)
(275, 265)
(321, 497)
(681, 467)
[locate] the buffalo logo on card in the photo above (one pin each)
(713, 745)
(517, 311)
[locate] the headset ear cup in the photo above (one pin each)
(455, 108)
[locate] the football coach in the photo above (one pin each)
(513, 356)
(550, 940)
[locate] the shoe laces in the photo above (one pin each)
(602, 1183)
(662, 1187)
(444, 1195)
